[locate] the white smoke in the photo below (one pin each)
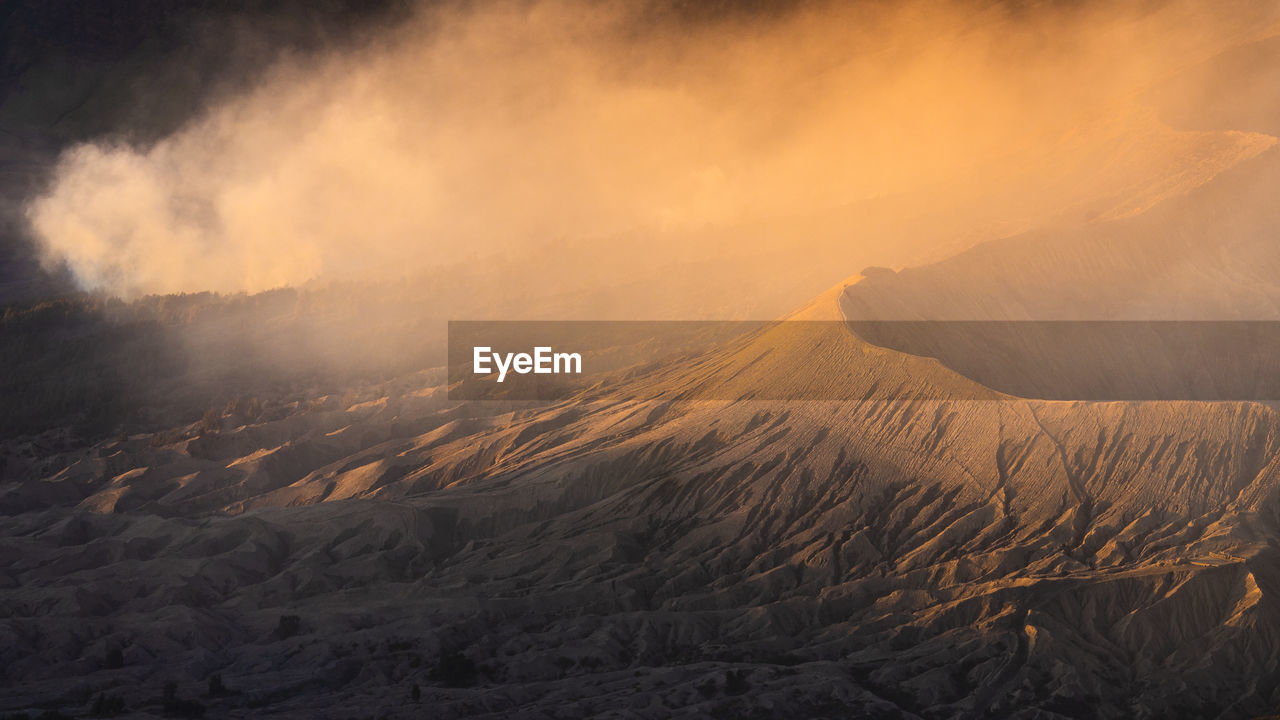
(476, 133)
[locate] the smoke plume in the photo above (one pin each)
(506, 130)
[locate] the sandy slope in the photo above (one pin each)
(933, 556)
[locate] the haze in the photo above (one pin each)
(525, 131)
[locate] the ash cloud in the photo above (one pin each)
(477, 132)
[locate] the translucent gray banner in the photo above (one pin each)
(874, 360)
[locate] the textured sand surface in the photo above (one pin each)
(930, 557)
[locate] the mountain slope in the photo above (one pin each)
(933, 556)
